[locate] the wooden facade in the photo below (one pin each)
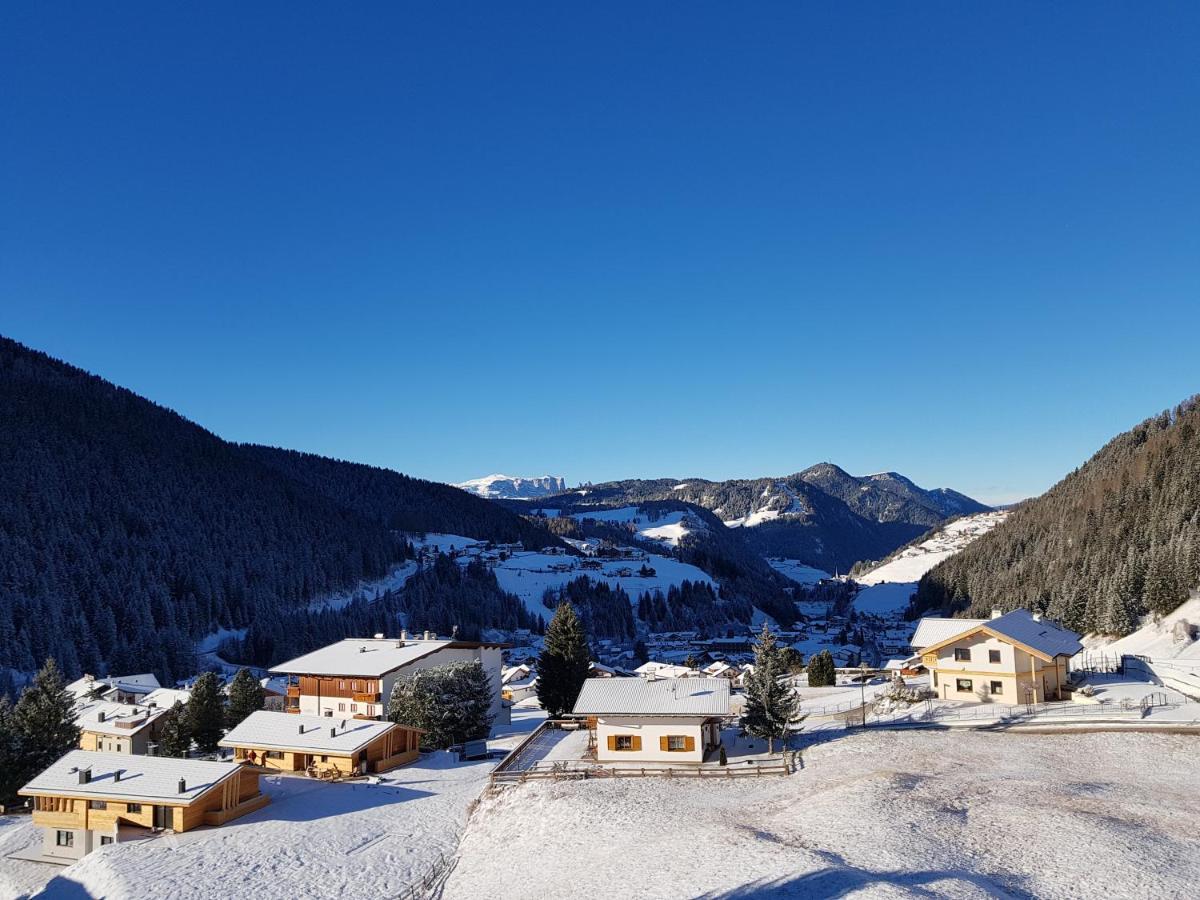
(395, 747)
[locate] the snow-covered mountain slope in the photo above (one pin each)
(888, 586)
(1174, 636)
(510, 487)
(910, 563)
(667, 527)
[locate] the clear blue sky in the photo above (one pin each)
(960, 241)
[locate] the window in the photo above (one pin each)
(97, 804)
(341, 707)
(324, 759)
(993, 656)
(997, 687)
(341, 685)
(935, 679)
(624, 742)
(105, 839)
(964, 685)
(273, 754)
(962, 654)
(65, 839)
(133, 807)
(354, 686)
(676, 742)
(353, 707)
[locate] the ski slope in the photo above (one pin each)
(913, 562)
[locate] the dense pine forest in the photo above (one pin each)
(128, 532)
(1116, 539)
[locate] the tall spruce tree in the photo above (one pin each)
(563, 664)
(451, 703)
(771, 703)
(44, 720)
(206, 713)
(245, 697)
(174, 738)
(821, 670)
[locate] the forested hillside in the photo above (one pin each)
(1114, 540)
(403, 503)
(128, 532)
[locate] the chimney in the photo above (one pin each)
(343, 725)
(100, 716)
(85, 776)
(996, 613)
(362, 649)
(182, 786)
(403, 634)
(1037, 617)
(302, 728)
(333, 732)
(379, 636)
(454, 632)
(117, 774)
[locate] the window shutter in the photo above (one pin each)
(689, 743)
(662, 743)
(637, 742)
(612, 742)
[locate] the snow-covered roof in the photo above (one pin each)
(1036, 633)
(665, 670)
(362, 657)
(166, 697)
(103, 717)
(654, 697)
(516, 673)
(153, 779)
(133, 684)
(933, 630)
(319, 734)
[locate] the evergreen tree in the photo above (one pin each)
(245, 697)
(174, 738)
(451, 703)
(563, 664)
(206, 713)
(771, 703)
(821, 670)
(12, 766)
(44, 720)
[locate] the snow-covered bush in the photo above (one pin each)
(1088, 690)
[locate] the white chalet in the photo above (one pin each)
(661, 720)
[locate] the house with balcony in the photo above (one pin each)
(86, 800)
(321, 746)
(353, 678)
(654, 720)
(117, 689)
(1016, 657)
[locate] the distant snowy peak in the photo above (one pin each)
(508, 487)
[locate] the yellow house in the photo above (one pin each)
(87, 800)
(322, 745)
(1017, 657)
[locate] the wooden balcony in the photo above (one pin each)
(293, 690)
(367, 698)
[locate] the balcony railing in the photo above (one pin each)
(367, 698)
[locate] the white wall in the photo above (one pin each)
(650, 731)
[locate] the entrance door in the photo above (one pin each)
(162, 817)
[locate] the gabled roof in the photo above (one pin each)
(654, 697)
(1037, 633)
(152, 779)
(166, 697)
(665, 670)
(1034, 634)
(933, 630)
(133, 684)
(308, 734)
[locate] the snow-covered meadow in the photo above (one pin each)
(869, 814)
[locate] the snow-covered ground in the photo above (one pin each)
(869, 814)
(529, 574)
(314, 840)
(884, 598)
(1164, 639)
(797, 571)
(667, 528)
(913, 562)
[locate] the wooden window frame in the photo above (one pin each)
(623, 739)
(970, 685)
(682, 741)
(133, 808)
(962, 654)
(64, 838)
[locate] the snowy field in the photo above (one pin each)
(913, 562)
(874, 814)
(885, 598)
(797, 571)
(667, 528)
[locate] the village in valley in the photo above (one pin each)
(345, 770)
